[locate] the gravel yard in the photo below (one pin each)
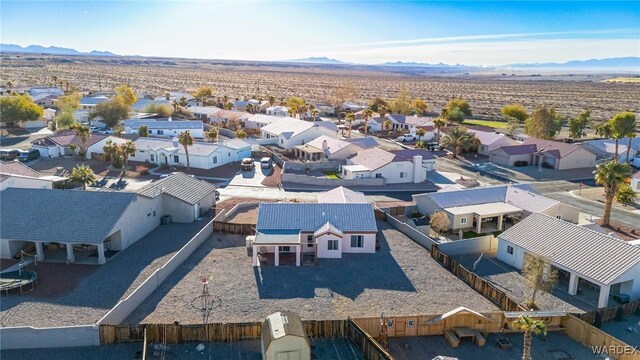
(400, 279)
(98, 292)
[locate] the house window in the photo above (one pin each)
(309, 240)
(281, 141)
(229, 154)
(215, 159)
(160, 132)
(559, 216)
(463, 220)
(176, 158)
(332, 244)
(401, 175)
(357, 241)
(378, 175)
(152, 157)
(154, 214)
(509, 249)
(410, 323)
(284, 248)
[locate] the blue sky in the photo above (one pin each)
(471, 32)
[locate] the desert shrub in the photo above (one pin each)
(142, 170)
(117, 162)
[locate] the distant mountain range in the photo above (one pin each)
(52, 50)
(631, 62)
(318, 60)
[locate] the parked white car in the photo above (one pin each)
(405, 138)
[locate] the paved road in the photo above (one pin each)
(630, 218)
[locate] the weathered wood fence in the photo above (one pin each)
(232, 228)
(371, 349)
(479, 284)
(608, 314)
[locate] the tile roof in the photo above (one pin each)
(555, 148)
(290, 127)
(488, 138)
(61, 215)
(408, 154)
(67, 138)
(301, 217)
(342, 195)
(207, 110)
(593, 255)
(181, 186)
(333, 145)
(636, 175)
(528, 200)
(17, 168)
(165, 124)
(373, 158)
(519, 149)
(365, 142)
(479, 195)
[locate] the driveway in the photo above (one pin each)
(252, 178)
(23, 138)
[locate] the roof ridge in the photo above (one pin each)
(564, 222)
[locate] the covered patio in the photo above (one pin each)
(308, 153)
(70, 252)
(276, 250)
(487, 217)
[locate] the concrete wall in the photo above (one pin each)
(412, 233)
(369, 244)
(330, 165)
(25, 183)
(481, 243)
(580, 158)
(311, 180)
(425, 204)
(138, 220)
(568, 212)
(38, 338)
(125, 307)
(323, 250)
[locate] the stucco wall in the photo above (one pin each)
(38, 338)
(568, 212)
(311, 180)
(514, 259)
(481, 243)
(369, 244)
(323, 250)
(180, 211)
(580, 158)
(138, 220)
(25, 183)
(391, 172)
(304, 137)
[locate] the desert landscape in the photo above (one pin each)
(486, 91)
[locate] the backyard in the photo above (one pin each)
(489, 123)
(334, 175)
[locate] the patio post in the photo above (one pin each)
(500, 218)
(101, 258)
(70, 257)
(39, 251)
(276, 255)
(479, 224)
(298, 255)
(254, 254)
(603, 299)
(573, 283)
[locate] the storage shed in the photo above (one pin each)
(283, 338)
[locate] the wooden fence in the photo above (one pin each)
(479, 284)
(593, 337)
(371, 349)
(216, 332)
(231, 228)
(609, 314)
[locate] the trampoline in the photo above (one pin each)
(17, 279)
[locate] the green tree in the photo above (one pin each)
(512, 126)
(110, 112)
(626, 194)
(143, 131)
(212, 134)
(68, 103)
(202, 93)
(367, 114)
(421, 144)
(82, 174)
(383, 110)
(126, 95)
(623, 126)
(161, 110)
(110, 148)
(271, 99)
(439, 123)
(126, 150)
(611, 175)
(84, 133)
(350, 117)
(578, 125)
(241, 134)
(64, 120)
(387, 124)
(457, 110)
(540, 276)
(529, 327)
(515, 111)
(376, 103)
(402, 103)
(185, 139)
(543, 123)
(17, 108)
(420, 133)
(295, 105)
(458, 139)
(420, 107)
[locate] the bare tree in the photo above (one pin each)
(540, 275)
(439, 221)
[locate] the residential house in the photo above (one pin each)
(183, 197)
(142, 103)
(491, 140)
(203, 113)
(325, 109)
(289, 132)
(18, 175)
(349, 106)
(60, 144)
(395, 166)
(635, 181)
(509, 155)
(90, 102)
(229, 116)
(587, 260)
(293, 231)
(605, 149)
(165, 127)
(364, 142)
(277, 110)
(342, 195)
(175, 96)
(489, 209)
(202, 155)
(412, 124)
(258, 121)
(76, 222)
(326, 148)
(560, 155)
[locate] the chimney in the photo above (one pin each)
(325, 146)
(175, 142)
(418, 171)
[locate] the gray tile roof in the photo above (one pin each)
(480, 195)
(181, 186)
(521, 149)
(17, 168)
(342, 195)
(365, 142)
(165, 124)
(591, 254)
(408, 154)
(297, 217)
(60, 215)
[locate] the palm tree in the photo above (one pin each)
(186, 140)
(110, 148)
(626, 194)
(143, 131)
(459, 139)
(240, 134)
(175, 105)
(350, 118)
(212, 134)
(606, 130)
(249, 108)
(127, 149)
(420, 133)
(83, 174)
(611, 174)
(529, 326)
(366, 115)
(387, 124)
(382, 111)
(439, 123)
(84, 133)
(314, 114)
(272, 100)
(630, 136)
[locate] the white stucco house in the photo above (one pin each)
(277, 110)
(326, 148)
(395, 166)
(18, 175)
(290, 233)
(60, 144)
(491, 140)
(165, 127)
(202, 155)
(203, 112)
(606, 148)
(289, 132)
(258, 121)
(583, 257)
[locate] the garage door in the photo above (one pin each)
(501, 160)
(44, 152)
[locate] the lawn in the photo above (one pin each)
(490, 123)
(332, 175)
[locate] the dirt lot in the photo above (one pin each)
(273, 179)
(486, 93)
(401, 278)
(248, 216)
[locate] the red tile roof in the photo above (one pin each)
(17, 168)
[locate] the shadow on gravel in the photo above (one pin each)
(349, 276)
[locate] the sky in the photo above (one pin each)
(452, 32)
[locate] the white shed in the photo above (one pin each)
(283, 338)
